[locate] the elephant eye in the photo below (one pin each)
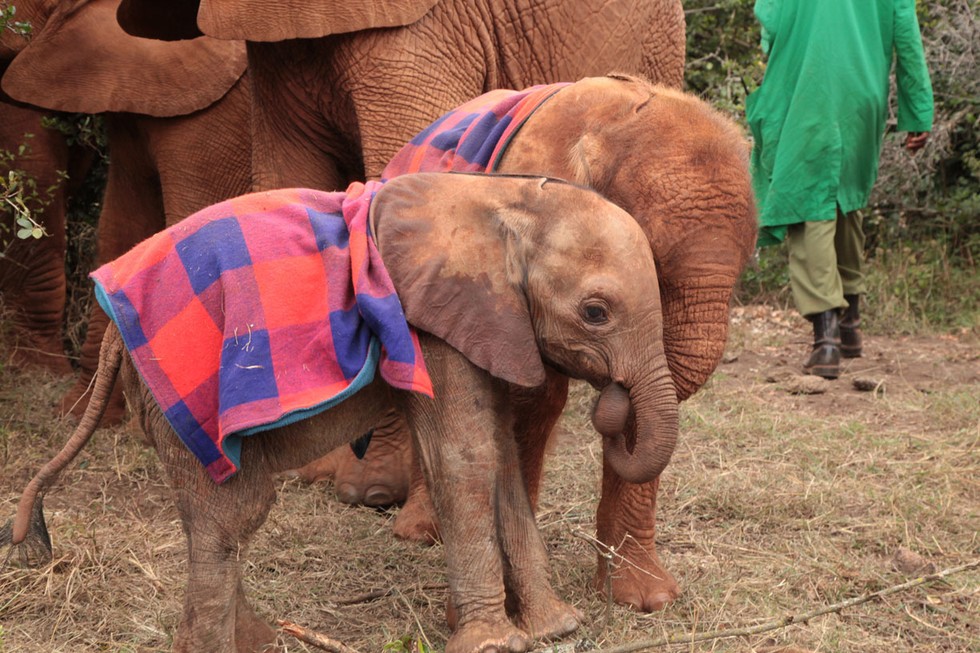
(595, 313)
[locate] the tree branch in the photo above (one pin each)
(313, 638)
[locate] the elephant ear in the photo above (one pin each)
(458, 269)
(82, 61)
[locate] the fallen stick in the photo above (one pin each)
(313, 638)
(380, 594)
(686, 638)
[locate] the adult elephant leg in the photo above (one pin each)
(626, 522)
(32, 272)
(132, 211)
(304, 132)
(204, 157)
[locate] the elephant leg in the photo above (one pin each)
(202, 158)
(252, 633)
(531, 600)
(132, 211)
(302, 129)
(536, 413)
(626, 521)
(457, 444)
(219, 521)
(32, 271)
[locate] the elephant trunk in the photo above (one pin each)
(645, 416)
(695, 332)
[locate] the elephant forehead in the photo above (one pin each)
(599, 234)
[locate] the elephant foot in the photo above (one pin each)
(548, 619)
(640, 582)
(498, 636)
(252, 633)
(416, 521)
(381, 478)
(76, 400)
(378, 480)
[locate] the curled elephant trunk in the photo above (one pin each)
(646, 418)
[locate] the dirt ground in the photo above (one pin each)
(787, 494)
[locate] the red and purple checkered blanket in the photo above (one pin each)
(258, 312)
(471, 137)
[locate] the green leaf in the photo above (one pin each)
(37, 232)
(24, 222)
(24, 233)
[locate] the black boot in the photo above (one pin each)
(850, 328)
(824, 360)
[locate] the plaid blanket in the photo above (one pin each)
(258, 312)
(471, 137)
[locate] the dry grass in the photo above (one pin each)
(775, 504)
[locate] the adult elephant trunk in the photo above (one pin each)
(638, 426)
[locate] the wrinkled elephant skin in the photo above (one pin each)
(507, 275)
(681, 170)
(174, 114)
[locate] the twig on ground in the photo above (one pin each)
(313, 638)
(686, 638)
(380, 594)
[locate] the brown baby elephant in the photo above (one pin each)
(481, 265)
(676, 165)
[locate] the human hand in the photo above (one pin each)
(914, 141)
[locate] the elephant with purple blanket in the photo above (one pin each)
(466, 254)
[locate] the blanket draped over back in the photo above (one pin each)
(258, 312)
(472, 137)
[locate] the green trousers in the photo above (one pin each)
(826, 262)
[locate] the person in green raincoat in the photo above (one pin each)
(817, 121)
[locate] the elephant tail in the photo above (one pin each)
(28, 527)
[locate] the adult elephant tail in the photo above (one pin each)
(28, 524)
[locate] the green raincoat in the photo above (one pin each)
(819, 117)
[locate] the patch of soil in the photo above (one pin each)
(769, 347)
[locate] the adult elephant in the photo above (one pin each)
(479, 271)
(338, 88)
(175, 116)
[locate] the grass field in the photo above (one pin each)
(784, 496)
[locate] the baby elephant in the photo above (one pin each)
(228, 364)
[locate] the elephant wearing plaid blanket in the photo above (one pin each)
(481, 272)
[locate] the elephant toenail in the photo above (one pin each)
(378, 496)
(348, 493)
